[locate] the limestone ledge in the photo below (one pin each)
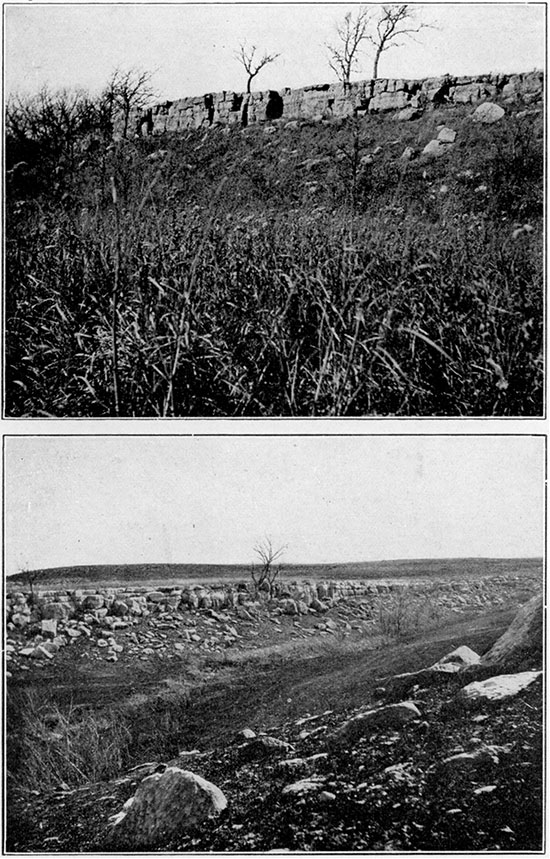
(333, 101)
(142, 600)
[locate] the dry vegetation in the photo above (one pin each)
(255, 274)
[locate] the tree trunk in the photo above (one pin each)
(376, 61)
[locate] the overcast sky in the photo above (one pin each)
(190, 47)
(92, 500)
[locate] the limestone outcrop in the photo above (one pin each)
(334, 101)
(520, 647)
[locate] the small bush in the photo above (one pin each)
(400, 615)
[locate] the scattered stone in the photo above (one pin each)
(164, 804)
(467, 761)
(245, 734)
(436, 148)
(446, 135)
(408, 154)
(41, 652)
(409, 113)
(264, 747)
(497, 689)
(48, 627)
(488, 113)
(93, 602)
(487, 788)
(390, 716)
(306, 785)
(327, 796)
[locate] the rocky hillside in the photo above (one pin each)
(127, 622)
(452, 761)
(385, 265)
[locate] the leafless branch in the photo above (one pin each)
(343, 56)
(246, 57)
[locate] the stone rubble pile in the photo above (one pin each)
(142, 622)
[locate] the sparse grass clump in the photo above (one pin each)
(52, 746)
(249, 275)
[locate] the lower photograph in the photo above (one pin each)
(274, 643)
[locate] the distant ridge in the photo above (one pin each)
(399, 568)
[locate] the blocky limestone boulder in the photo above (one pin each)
(446, 135)
(164, 804)
(495, 690)
(93, 602)
(119, 608)
(520, 646)
(456, 660)
(56, 610)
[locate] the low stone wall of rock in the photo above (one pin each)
(110, 604)
(334, 101)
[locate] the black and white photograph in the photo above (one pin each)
(274, 644)
(274, 210)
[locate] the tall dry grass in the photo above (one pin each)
(250, 276)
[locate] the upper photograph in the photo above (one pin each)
(272, 211)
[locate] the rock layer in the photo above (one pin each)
(334, 101)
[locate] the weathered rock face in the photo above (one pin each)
(164, 804)
(334, 101)
(521, 645)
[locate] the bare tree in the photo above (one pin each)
(246, 57)
(343, 56)
(30, 577)
(127, 92)
(395, 21)
(265, 574)
(56, 117)
(383, 31)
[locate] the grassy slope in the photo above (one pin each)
(264, 275)
(172, 574)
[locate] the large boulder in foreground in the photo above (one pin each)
(520, 647)
(164, 804)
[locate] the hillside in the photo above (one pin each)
(384, 265)
(171, 574)
(448, 777)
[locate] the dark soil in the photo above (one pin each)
(302, 699)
